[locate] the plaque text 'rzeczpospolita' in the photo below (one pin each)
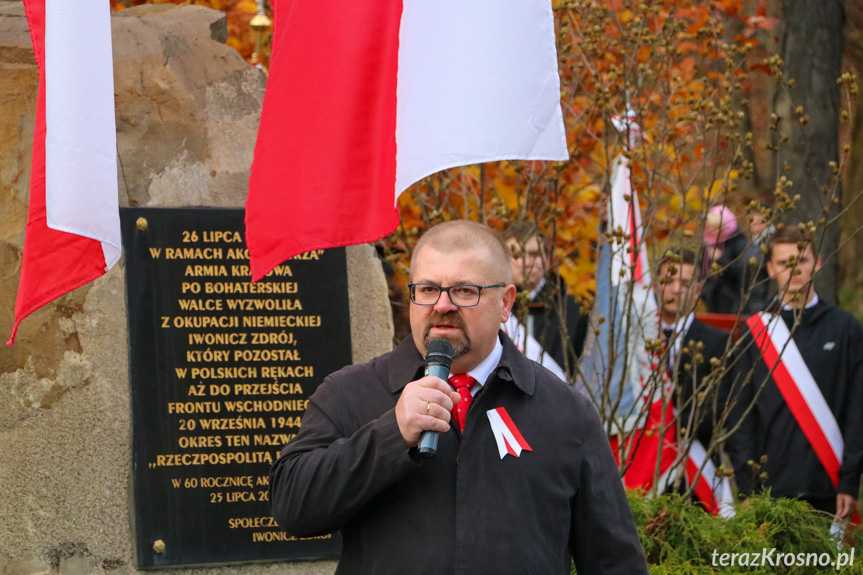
(221, 372)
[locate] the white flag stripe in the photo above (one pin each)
(80, 143)
(486, 89)
(496, 424)
(720, 487)
(624, 208)
(668, 477)
(618, 209)
(633, 283)
(803, 380)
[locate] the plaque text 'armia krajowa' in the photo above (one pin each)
(221, 373)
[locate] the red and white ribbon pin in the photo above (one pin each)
(508, 437)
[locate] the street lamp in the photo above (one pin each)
(260, 23)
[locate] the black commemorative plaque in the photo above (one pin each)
(221, 371)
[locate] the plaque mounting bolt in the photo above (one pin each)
(158, 545)
(142, 225)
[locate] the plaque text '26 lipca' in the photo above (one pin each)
(221, 372)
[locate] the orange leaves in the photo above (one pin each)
(760, 22)
(625, 16)
(686, 67)
(730, 8)
(665, 61)
(668, 63)
(754, 24)
(240, 35)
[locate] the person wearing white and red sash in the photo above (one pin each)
(523, 480)
(553, 317)
(802, 366)
(691, 347)
(531, 348)
(617, 369)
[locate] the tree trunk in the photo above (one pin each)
(812, 47)
(852, 219)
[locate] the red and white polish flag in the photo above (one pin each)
(712, 490)
(73, 226)
(506, 434)
(365, 100)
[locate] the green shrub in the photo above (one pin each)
(680, 538)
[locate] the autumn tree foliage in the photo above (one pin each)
(683, 72)
(670, 66)
(699, 79)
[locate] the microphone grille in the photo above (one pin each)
(439, 351)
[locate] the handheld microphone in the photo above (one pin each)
(438, 362)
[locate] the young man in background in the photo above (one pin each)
(802, 366)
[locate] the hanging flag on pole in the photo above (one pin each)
(73, 225)
(639, 399)
(712, 489)
(617, 367)
(365, 100)
(617, 356)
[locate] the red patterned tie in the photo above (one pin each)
(462, 384)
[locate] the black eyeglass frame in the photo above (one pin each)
(441, 289)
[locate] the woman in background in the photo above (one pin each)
(725, 267)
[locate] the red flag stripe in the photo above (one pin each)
(365, 100)
(507, 420)
(349, 114)
(509, 448)
(703, 489)
(644, 447)
(54, 262)
(714, 492)
(635, 259)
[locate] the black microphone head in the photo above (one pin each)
(439, 352)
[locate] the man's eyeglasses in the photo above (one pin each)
(463, 295)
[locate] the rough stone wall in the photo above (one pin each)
(187, 114)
